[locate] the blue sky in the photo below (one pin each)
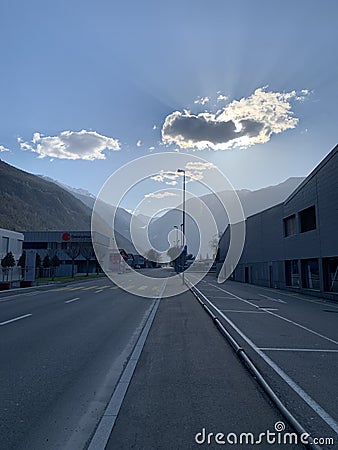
(101, 81)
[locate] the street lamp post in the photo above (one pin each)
(183, 221)
(176, 227)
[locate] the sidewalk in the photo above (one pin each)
(187, 379)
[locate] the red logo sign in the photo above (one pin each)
(66, 237)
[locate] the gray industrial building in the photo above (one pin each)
(294, 245)
(66, 245)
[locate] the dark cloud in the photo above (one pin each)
(199, 128)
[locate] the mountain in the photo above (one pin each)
(252, 202)
(30, 203)
(81, 194)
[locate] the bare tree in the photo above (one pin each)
(87, 252)
(73, 252)
(153, 256)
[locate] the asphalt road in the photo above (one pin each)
(293, 339)
(62, 350)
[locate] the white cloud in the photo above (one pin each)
(199, 165)
(3, 149)
(222, 98)
(151, 148)
(201, 100)
(193, 172)
(87, 145)
(160, 195)
(251, 120)
(165, 175)
(139, 143)
(154, 127)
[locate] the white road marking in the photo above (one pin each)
(15, 319)
(281, 317)
(305, 396)
(272, 298)
(73, 300)
(100, 290)
(242, 311)
(298, 350)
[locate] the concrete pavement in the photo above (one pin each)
(186, 380)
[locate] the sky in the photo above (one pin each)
(249, 86)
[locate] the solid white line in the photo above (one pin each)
(272, 298)
(107, 422)
(15, 319)
(306, 397)
(298, 350)
(100, 290)
(73, 300)
(242, 311)
(282, 317)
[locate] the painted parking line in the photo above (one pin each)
(72, 300)
(296, 388)
(281, 317)
(15, 319)
(242, 311)
(278, 300)
(315, 350)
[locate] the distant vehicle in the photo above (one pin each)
(139, 262)
(188, 263)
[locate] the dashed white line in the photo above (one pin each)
(15, 319)
(73, 300)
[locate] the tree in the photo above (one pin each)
(87, 252)
(153, 256)
(8, 262)
(214, 242)
(46, 264)
(54, 262)
(38, 264)
(174, 255)
(73, 252)
(22, 262)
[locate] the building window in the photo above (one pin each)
(292, 277)
(35, 245)
(310, 274)
(290, 225)
(330, 266)
(5, 245)
(307, 219)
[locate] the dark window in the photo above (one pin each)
(292, 273)
(310, 274)
(5, 245)
(290, 225)
(307, 219)
(331, 274)
(34, 245)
